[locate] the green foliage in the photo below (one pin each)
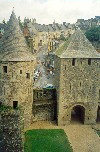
(4, 108)
(43, 140)
(93, 34)
(98, 132)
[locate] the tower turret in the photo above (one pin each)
(16, 69)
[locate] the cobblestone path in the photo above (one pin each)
(83, 138)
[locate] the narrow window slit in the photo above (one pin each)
(73, 62)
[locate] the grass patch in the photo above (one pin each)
(43, 140)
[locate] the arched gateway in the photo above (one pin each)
(78, 114)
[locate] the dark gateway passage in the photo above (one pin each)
(77, 114)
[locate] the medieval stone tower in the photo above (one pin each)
(77, 79)
(16, 70)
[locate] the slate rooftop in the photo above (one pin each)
(13, 46)
(77, 46)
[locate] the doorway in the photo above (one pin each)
(78, 114)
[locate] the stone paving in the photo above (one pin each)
(82, 137)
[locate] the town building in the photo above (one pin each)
(45, 35)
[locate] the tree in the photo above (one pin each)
(93, 34)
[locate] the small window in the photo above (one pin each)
(28, 90)
(4, 90)
(80, 84)
(20, 71)
(12, 74)
(5, 69)
(15, 104)
(89, 61)
(65, 67)
(70, 87)
(28, 75)
(73, 62)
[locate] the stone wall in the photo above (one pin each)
(78, 85)
(11, 131)
(44, 104)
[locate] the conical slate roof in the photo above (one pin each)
(78, 46)
(13, 46)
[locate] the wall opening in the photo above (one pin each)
(15, 104)
(78, 114)
(70, 87)
(98, 114)
(5, 69)
(73, 62)
(89, 61)
(20, 71)
(65, 67)
(28, 75)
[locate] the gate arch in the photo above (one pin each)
(78, 114)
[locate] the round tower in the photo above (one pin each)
(16, 70)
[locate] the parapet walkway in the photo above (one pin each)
(82, 137)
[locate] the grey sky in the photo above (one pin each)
(45, 11)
